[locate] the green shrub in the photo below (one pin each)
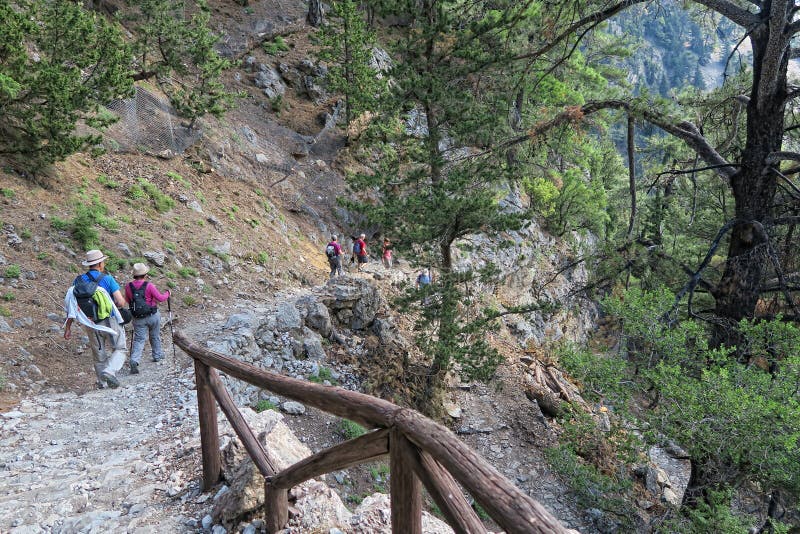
(593, 488)
(105, 181)
(163, 203)
(59, 224)
(712, 515)
(42, 256)
(13, 271)
(187, 272)
(136, 192)
(189, 300)
(274, 46)
(262, 258)
(5, 312)
(263, 405)
(180, 179)
(6, 192)
(9, 297)
(90, 212)
(323, 375)
(351, 430)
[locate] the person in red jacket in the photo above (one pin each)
(360, 249)
(144, 297)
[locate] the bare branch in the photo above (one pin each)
(692, 283)
(591, 19)
(732, 12)
(787, 180)
(684, 130)
(775, 157)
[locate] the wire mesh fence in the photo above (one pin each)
(147, 123)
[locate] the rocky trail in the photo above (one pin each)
(110, 460)
(128, 459)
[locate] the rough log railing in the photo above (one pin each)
(421, 452)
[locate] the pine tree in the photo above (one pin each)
(58, 65)
(347, 45)
(430, 186)
(178, 52)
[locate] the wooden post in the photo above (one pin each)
(276, 507)
(209, 433)
(404, 487)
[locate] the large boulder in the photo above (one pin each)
(354, 302)
(374, 515)
(315, 315)
(268, 79)
(245, 484)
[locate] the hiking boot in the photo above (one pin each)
(134, 368)
(110, 379)
(158, 359)
(100, 384)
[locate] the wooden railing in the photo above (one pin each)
(421, 452)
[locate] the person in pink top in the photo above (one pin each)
(144, 297)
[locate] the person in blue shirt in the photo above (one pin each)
(424, 278)
(106, 336)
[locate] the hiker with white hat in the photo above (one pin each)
(94, 299)
(144, 297)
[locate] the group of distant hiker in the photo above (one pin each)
(359, 257)
(96, 301)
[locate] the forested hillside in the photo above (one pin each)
(543, 160)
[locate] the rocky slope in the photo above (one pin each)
(253, 201)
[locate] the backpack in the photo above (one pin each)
(356, 248)
(84, 293)
(330, 250)
(139, 306)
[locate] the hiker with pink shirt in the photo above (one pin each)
(144, 297)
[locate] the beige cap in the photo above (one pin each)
(93, 257)
(140, 269)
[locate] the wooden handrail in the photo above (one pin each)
(366, 448)
(266, 466)
(419, 450)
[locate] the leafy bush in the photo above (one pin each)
(324, 374)
(712, 515)
(105, 181)
(264, 405)
(180, 179)
(13, 271)
(351, 430)
(189, 300)
(59, 224)
(738, 421)
(187, 272)
(6, 192)
(4, 312)
(9, 297)
(163, 203)
(275, 45)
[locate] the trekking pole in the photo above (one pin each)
(171, 332)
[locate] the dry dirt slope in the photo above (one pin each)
(240, 243)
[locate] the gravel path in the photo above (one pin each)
(111, 460)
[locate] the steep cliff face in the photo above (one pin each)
(536, 267)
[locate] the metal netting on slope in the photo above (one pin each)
(147, 123)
